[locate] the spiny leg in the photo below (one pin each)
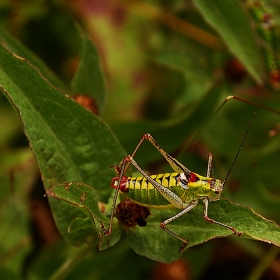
(121, 172)
(175, 164)
(164, 223)
(205, 216)
(124, 163)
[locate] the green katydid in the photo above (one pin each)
(181, 189)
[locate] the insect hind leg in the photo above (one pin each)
(175, 164)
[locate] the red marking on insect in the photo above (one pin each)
(193, 177)
(123, 183)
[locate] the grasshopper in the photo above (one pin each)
(181, 189)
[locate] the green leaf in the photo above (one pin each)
(79, 224)
(69, 142)
(18, 48)
(85, 198)
(230, 21)
(151, 241)
(88, 78)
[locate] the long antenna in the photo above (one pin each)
(252, 118)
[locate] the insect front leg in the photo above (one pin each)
(120, 170)
(164, 223)
(205, 216)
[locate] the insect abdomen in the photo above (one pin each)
(143, 192)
